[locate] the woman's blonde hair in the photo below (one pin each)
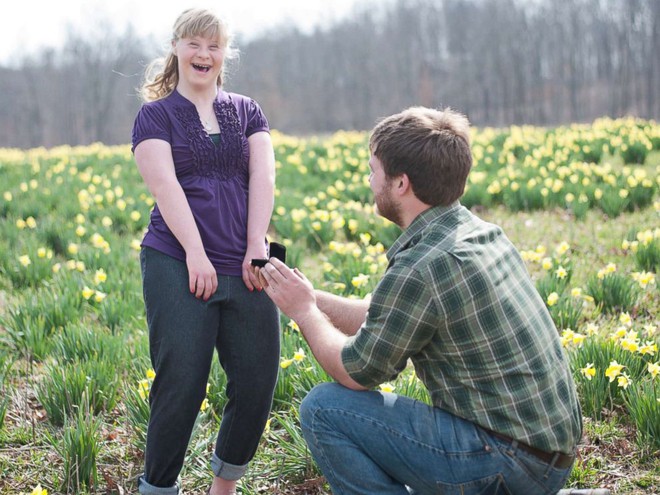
(162, 75)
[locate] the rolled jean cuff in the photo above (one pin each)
(146, 489)
(226, 471)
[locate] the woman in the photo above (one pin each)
(207, 158)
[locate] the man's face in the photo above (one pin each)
(381, 186)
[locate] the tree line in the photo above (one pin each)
(501, 62)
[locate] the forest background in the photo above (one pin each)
(502, 62)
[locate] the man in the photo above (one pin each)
(457, 301)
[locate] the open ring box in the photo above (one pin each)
(275, 250)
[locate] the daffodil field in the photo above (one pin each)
(581, 203)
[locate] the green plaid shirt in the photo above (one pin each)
(457, 300)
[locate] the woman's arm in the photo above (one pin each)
(154, 161)
(261, 198)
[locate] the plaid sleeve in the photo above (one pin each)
(402, 318)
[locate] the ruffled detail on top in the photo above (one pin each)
(225, 160)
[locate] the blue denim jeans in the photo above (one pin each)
(385, 444)
(183, 331)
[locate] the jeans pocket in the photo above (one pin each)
(491, 485)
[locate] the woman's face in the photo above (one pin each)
(200, 60)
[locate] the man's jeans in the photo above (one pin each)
(382, 443)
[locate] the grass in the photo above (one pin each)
(76, 298)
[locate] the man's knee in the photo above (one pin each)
(316, 399)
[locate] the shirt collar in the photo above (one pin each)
(418, 224)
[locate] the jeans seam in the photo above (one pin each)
(313, 430)
(407, 438)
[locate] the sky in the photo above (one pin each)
(26, 26)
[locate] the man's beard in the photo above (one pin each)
(386, 207)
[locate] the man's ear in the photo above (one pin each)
(402, 184)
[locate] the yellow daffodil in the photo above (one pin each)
(623, 381)
(561, 272)
(57, 267)
(644, 279)
(7, 196)
(204, 406)
(649, 347)
(39, 491)
(20, 224)
(99, 296)
(591, 329)
(562, 248)
(136, 244)
(360, 280)
(72, 248)
(143, 388)
(546, 264)
(150, 374)
(654, 369)
(299, 355)
(588, 371)
(87, 292)
(613, 370)
(31, 222)
(100, 276)
(24, 260)
(386, 387)
(294, 326)
(625, 319)
(80, 231)
(553, 297)
(286, 363)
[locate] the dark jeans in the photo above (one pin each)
(183, 331)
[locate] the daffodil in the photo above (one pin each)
(360, 280)
(100, 276)
(150, 374)
(588, 371)
(562, 248)
(613, 370)
(24, 260)
(39, 491)
(299, 355)
(286, 363)
(625, 319)
(654, 369)
(386, 387)
(204, 406)
(553, 297)
(99, 296)
(87, 292)
(561, 272)
(143, 388)
(623, 380)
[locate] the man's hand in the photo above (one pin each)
(289, 289)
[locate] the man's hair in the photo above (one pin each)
(432, 147)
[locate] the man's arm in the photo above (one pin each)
(347, 315)
(294, 294)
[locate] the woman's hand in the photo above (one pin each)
(250, 278)
(202, 277)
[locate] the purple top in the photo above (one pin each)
(213, 178)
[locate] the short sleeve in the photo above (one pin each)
(401, 320)
(256, 120)
(151, 122)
